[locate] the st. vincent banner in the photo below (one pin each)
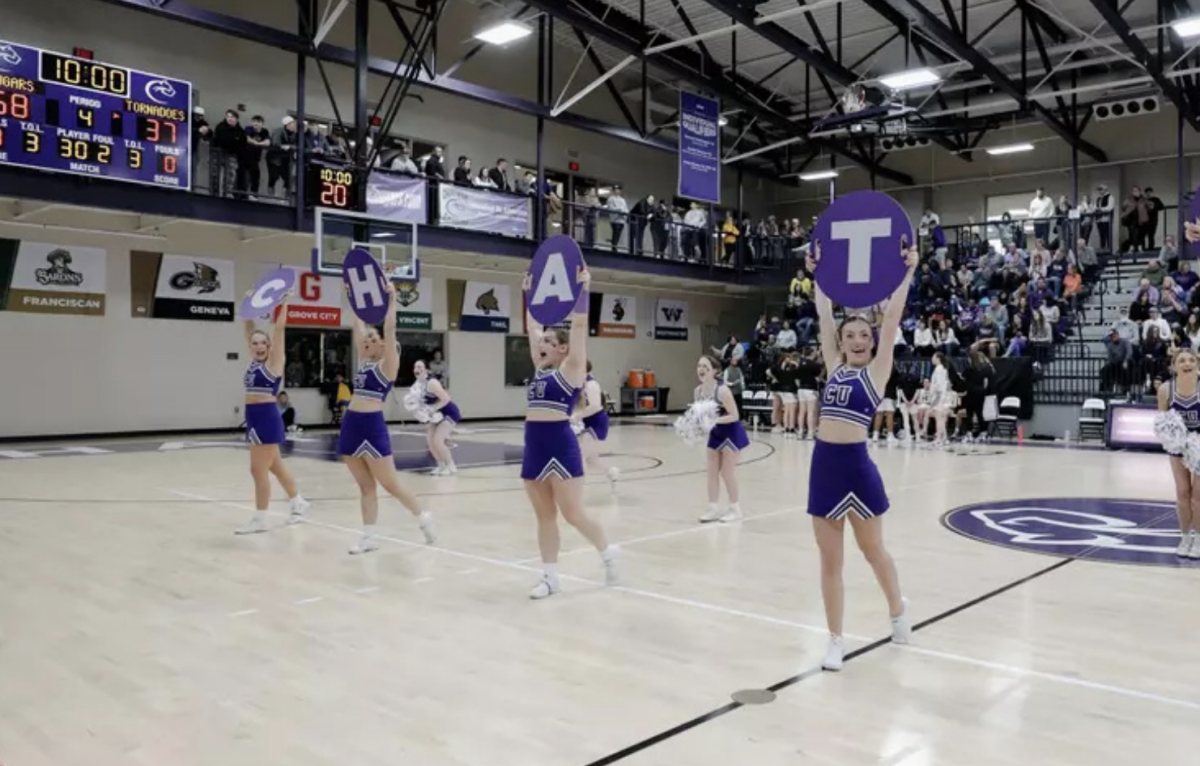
(414, 304)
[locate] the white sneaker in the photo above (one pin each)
(874, 436)
(365, 544)
(777, 429)
(733, 514)
(426, 522)
(834, 653)
(1194, 551)
(258, 525)
(901, 627)
(439, 471)
(614, 473)
(545, 588)
(1185, 545)
(610, 558)
(968, 439)
(299, 506)
(450, 469)
(892, 441)
(712, 514)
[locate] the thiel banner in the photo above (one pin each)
(482, 210)
(397, 198)
(699, 148)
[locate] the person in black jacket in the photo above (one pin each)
(228, 145)
(462, 173)
(808, 383)
(499, 175)
(977, 381)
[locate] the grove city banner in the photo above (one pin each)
(317, 301)
(58, 279)
(670, 319)
(194, 288)
(699, 148)
(414, 304)
(482, 210)
(613, 316)
(396, 197)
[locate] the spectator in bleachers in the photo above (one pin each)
(729, 238)
(1041, 211)
(925, 230)
(316, 144)
(1135, 216)
(201, 137)
(590, 211)
(1192, 329)
(735, 378)
(526, 184)
(402, 162)
(1140, 310)
(228, 145)
(1156, 322)
(1126, 327)
(499, 175)
(1171, 302)
(1155, 352)
(1056, 271)
(1041, 337)
(1085, 257)
(484, 179)
(786, 339)
(258, 141)
(617, 215)
(997, 311)
(1168, 256)
(1062, 216)
(1073, 291)
(1105, 205)
(1185, 278)
(462, 172)
(660, 219)
(435, 166)
(1154, 274)
(732, 349)
(944, 339)
(1154, 209)
(1114, 375)
(281, 156)
(923, 339)
(1086, 219)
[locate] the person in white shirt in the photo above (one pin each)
(1041, 210)
(925, 228)
(617, 210)
(786, 339)
(695, 224)
(923, 339)
(1156, 320)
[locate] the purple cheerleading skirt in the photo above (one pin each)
(450, 412)
(364, 434)
(728, 436)
(843, 479)
(596, 425)
(264, 423)
(551, 449)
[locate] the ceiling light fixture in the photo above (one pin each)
(503, 33)
(819, 175)
(1189, 27)
(913, 78)
(997, 151)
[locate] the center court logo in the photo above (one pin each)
(60, 273)
(203, 278)
(1096, 529)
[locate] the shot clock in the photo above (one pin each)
(331, 186)
(69, 115)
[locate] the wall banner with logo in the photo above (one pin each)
(397, 198)
(699, 148)
(318, 300)
(194, 288)
(613, 316)
(57, 279)
(482, 210)
(414, 304)
(670, 319)
(486, 307)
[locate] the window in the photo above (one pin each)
(316, 356)
(414, 347)
(518, 367)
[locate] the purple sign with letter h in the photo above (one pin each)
(366, 286)
(862, 258)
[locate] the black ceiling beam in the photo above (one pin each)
(691, 28)
(903, 24)
(1112, 16)
(626, 112)
(961, 48)
(1042, 54)
(624, 33)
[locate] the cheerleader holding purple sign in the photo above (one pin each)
(264, 423)
(553, 464)
(843, 480)
(365, 443)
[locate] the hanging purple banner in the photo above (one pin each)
(397, 198)
(699, 148)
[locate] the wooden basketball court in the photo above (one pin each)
(135, 628)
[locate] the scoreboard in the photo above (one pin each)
(71, 115)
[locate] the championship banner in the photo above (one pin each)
(397, 198)
(317, 300)
(194, 288)
(482, 210)
(699, 148)
(616, 318)
(670, 319)
(53, 279)
(414, 305)
(486, 307)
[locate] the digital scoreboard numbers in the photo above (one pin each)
(340, 188)
(70, 115)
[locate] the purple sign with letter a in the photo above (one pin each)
(366, 286)
(263, 299)
(554, 289)
(862, 261)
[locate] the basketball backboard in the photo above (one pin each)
(393, 243)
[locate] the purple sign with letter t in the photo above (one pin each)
(862, 261)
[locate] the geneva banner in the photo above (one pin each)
(194, 288)
(482, 210)
(53, 279)
(670, 319)
(396, 198)
(699, 148)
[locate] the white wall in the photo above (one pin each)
(228, 71)
(117, 373)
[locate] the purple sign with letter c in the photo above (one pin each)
(862, 261)
(554, 289)
(268, 293)
(366, 286)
